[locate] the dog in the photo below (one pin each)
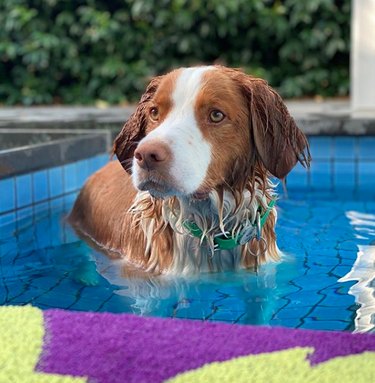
(191, 190)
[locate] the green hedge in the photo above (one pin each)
(81, 51)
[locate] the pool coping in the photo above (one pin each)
(82, 144)
(314, 117)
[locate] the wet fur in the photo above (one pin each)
(149, 232)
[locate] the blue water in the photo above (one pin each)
(325, 281)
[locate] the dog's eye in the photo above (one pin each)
(216, 116)
(154, 113)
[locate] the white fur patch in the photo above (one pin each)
(180, 131)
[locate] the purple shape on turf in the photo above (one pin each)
(126, 348)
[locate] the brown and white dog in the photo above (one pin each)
(196, 195)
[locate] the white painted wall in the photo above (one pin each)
(363, 58)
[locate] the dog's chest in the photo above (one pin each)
(190, 255)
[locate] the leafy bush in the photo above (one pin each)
(80, 51)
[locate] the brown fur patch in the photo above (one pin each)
(257, 136)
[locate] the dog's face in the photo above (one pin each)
(196, 129)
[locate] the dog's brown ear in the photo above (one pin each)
(135, 128)
(278, 140)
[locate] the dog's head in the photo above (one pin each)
(196, 129)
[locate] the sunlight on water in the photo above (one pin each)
(363, 272)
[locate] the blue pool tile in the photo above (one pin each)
(324, 325)
(298, 177)
(8, 248)
(3, 295)
(95, 163)
(292, 313)
(194, 312)
(7, 193)
(324, 313)
(82, 172)
(344, 174)
(366, 174)
(226, 316)
(338, 300)
(69, 200)
(24, 190)
(91, 304)
(41, 209)
(7, 218)
(40, 185)
(25, 216)
(289, 322)
(103, 159)
(345, 148)
(56, 184)
(321, 176)
(367, 148)
(7, 224)
(51, 298)
(321, 147)
(304, 299)
(57, 204)
(70, 177)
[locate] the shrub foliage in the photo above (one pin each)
(80, 51)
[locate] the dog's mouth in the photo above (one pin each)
(157, 189)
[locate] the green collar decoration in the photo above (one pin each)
(246, 234)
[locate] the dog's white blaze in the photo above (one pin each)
(180, 130)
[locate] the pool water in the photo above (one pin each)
(325, 281)
(326, 229)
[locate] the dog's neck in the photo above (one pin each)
(216, 215)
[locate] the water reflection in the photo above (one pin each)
(363, 272)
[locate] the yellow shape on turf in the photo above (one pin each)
(289, 366)
(21, 341)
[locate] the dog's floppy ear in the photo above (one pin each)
(135, 128)
(278, 140)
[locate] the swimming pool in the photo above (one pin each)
(326, 229)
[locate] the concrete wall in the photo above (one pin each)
(363, 58)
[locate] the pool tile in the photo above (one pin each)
(8, 248)
(7, 225)
(41, 209)
(83, 304)
(70, 178)
(289, 322)
(25, 216)
(56, 183)
(336, 300)
(103, 159)
(3, 295)
(226, 316)
(7, 192)
(298, 177)
(24, 190)
(321, 174)
(345, 148)
(324, 325)
(51, 297)
(82, 172)
(40, 185)
(292, 313)
(367, 148)
(367, 175)
(330, 314)
(304, 299)
(344, 174)
(57, 204)
(69, 200)
(321, 147)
